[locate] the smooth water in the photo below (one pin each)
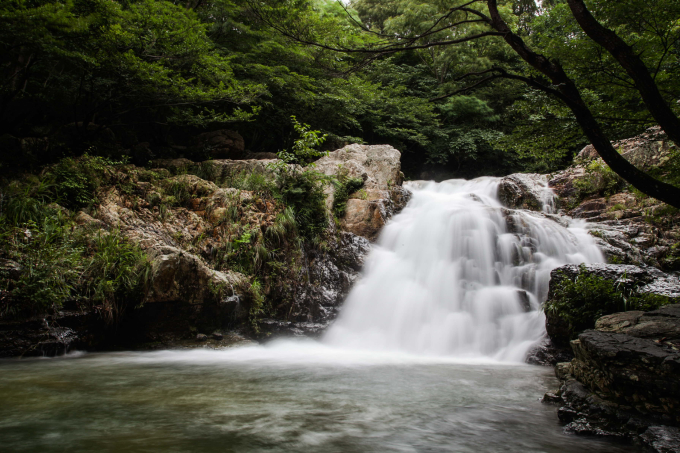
(278, 398)
(425, 357)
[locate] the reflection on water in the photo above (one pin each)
(280, 398)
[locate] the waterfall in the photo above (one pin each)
(457, 274)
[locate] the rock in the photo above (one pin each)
(645, 278)
(217, 336)
(201, 337)
(663, 439)
(629, 371)
(661, 324)
(526, 191)
(222, 144)
(551, 398)
(181, 276)
(382, 196)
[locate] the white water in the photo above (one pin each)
(449, 275)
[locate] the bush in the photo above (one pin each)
(583, 300)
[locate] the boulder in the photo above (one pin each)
(661, 325)
(647, 150)
(630, 371)
(382, 195)
(181, 276)
(222, 144)
(526, 191)
(645, 279)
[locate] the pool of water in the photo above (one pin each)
(285, 397)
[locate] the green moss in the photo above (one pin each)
(344, 187)
(585, 299)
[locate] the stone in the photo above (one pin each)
(647, 279)
(217, 336)
(222, 144)
(663, 439)
(526, 191)
(551, 398)
(382, 195)
(201, 337)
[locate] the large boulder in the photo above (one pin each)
(382, 195)
(643, 279)
(647, 150)
(624, 379)
(181, 276)
(526, 191)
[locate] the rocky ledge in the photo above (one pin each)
(190, 292)
(624, 378)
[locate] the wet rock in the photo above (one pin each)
(663, 439)
(546, 354)
(201, 337)
(217, 336)
(552, 398)
(629, 371)
(526, 191)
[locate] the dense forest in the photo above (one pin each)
(102, 76)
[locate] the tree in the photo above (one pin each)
(468, 21)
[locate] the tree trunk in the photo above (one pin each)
(633, 65)
(569, 93)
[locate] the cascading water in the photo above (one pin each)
(458, 274)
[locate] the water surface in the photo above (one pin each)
(280, 398)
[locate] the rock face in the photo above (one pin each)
(185, 223)
(646, 279)
(624, 379)
(382, 196)
(624, 385)
(526, 191)
(628, 228)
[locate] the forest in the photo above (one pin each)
(101, 76)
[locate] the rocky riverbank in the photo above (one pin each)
(227, 260)
(619, 370)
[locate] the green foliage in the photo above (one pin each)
(76, 180)
(305, 148)
(585, 299)
(344, 187)
(60, 261)
(303, 192)
(599, 179)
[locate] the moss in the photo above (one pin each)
(344, 187)
(583, 300)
